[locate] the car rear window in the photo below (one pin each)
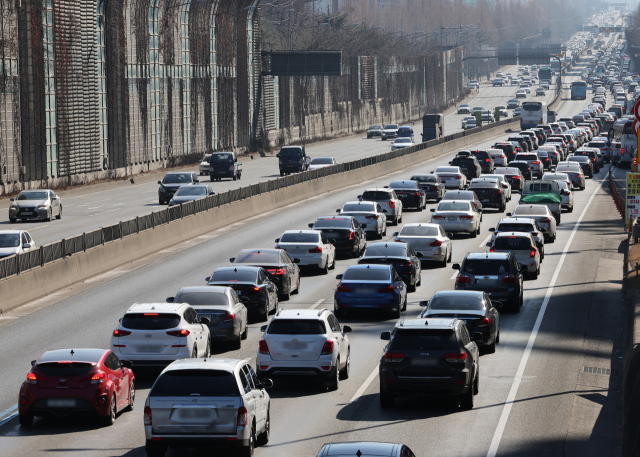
(258, 257)
(390, 249)
(430, 178)
(300, 238)
(515, 227)
(486, 266)
(419, 230)
(530, 210)
(297, 327)
(453, 206)
(404, 185)
(64, 369)
(355, 207)
(374, 196)
(203, 298)
(451, 302)
(339, 222)
(366, 274)
(203, 383)
(512, 243)
(233, 275)
(150, 321)
(417, 340)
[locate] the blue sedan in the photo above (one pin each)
(377, 287)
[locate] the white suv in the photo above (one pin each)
(305, 341)
(156, 334)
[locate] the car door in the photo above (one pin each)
(470, 346)
(260, 396)
(328, 248)
(23, 242)
(292, 269)
(30, 241)
(382, 218)
(239, 309)
(415, 263)
(248, 394)
(114, 373)
(493, 315)
(399, 284)
(337, 336)
(446, 241)
(191, 317)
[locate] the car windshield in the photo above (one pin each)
(389, 249)
(404, 185)
(374, 196)
(486, 266)
(233, 275)
(375, 127)
(257, 257)
(338, 222)
(453, 206)
(187, 191)
(366, 274)
(419, 230)
(391, 126)
(415, 340)
(322, 161)
(359, 207)
(300, 238)
(221, 157)
(203, 298)
(9, 240)
(297, 327)
(290, 152)
(512, 243)
(150, 321)
(177, 178)
(200, 383)
(33, 196)
(451, 301)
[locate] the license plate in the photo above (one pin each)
(424, 362)
(27, 213)
(452, 219)
(364, 290)
(61, 402)
(195, 413)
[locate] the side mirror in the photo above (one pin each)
(160, 182)
(296, 260)
(197, 180)
(120, 320)
(385, 336)
(13, 199)
(33, 363)
(396, 233)
(232, 259)
(450, 163)
(208, 278)
(264, 328)
(235, 160)
(347, 329)
(385, 211)
(338, 211)
(266, 383)
(424, 303)
(126, 363)
(492, 229)
(359, 197)
(386, 187)
(277, 240)
(172, 299)
(205, 320)
(433, 210)
(477, 336)
(508, 214)
(455, 266)
(419, 254)
(27, 246)
(339, 277)
(310, 225)
(278, 155)
(449, 234)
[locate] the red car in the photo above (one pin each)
(70, 381)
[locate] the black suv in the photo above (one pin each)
(508, 148)
(496, 273)
(468, 164)
(435, 357)
(490, 193)
(485, 160)
(293, 159)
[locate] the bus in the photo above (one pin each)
(533, 113)
(623, 133)
(544, 74)
(579, 90)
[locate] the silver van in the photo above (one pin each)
(207, 402)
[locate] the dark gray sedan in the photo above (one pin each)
(431, 184)
(281, 268)
(189, 193)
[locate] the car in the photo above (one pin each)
(468, 163)
(575, 173)
(490, 193)
(388, 200)
(282, 270)
(513, 175)
(293, 159)
(464, 109)
(368, 214)
(540, 91)
(513, 103)
(585, 164)
(431, 184)
(15, 242)
(502, 109)
(521, 224)
(344, 232)
(533, 160)
(67, 382)
(498, 82)
(252, 285)
(172, 182)
(521, 93)
(524, 87)
(521, 142)
(402, 142)
(432, 356)
(592, 154)
(390, 131)
(552, 152)
(428, 239)
(525, 170)
(401, 256)
(311, 247)
(523, 247)
(365, 448)
(204, 168)
(374, 130)
(410, 193)
(544, 85)
(186, 194)
(485, 160)
(477, 109)
(468, 119)
(212, 402)
(322, 162)
(498, 156)
(473, 306)
(305, 341)
(532, 137)
(543, 216)
(457, 216)
(487, 116)
(508, 148)
(567, 195)
(35, 204)
(370, 287)
(461, 195)
(452, 177)
(545, 159)
(471, 123)
(228, 316)
(225, 164)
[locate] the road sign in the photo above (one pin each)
(634, 127)
(636, 109)
(632, 209)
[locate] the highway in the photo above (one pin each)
(535, 397)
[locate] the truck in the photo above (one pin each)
(432, 127)
(224, 165)
(292, 159)
(543, 192)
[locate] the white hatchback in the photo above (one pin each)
(310, 246)
(452, 177)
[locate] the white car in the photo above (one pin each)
(156, 334)
(521, 93)
(533, 160)
(499, 159)
(429, 239)
(464, 109)
(321, 162)
(504, 182)
(305, 341)
(15, 242)
(523, 247)
(503, 111)
(520, 224)
(542, 214)
(370, 214)
(205, 166)
(452, 177)
(457, 216)
(566, 192)
(310, 246)
(400, 143)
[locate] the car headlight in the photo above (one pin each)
(42, 206)
(14, 205)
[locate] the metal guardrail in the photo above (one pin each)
(52, 252)
(615, 193)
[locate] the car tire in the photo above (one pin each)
(476, 385)
(285, 296)
(450, 255)
(325, 270)
(264, 317)
(48, 218)
(194, 352)
(297, 289)
(245, 334)
(110, 418)
(333, 263)
(26, 420)
(154, 449)
(337, 311)
(247, 451)
(386, 400)
(237, 344)
(384, 232)
(420, 208)
(344, 373)
(334, 380)
(411, 287)
(132, 396)
(59, 216)
(397, 314)
(263, 438)
(466, 402)
(282, 173)
(542, 254)
(235, 177)
(535, 274)
(12, 220)
(491, 348)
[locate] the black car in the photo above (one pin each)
(593, 158)
(431, 184)
(513, 175)
(524, 168)
(476, 310)
(292, 159)
(172, 181)
(485, 160)
(532, 137)
(281, 269)
(508, 148)
(434, 357)
(410, 193)
(344, 232)
(468, 164)
(252, 286)
(545, 159)
(490, 193)
(522, 143)
(496, 273)
(539, 134)
(585, 164)
(405, 261)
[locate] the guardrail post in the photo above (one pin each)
(153, 221)
(84, 241)
(42, 256)
(121, 234)
(18, 264)
(137, 224)
(102, 235)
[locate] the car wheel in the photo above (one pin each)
(344, 373)
(542, 254)
(48, 218)
(285, 296)
(338, 312)
(194, 353)
(420, 208)
(154, 449)
(386, 400)
(12, 220)
(535, 274)
(325, 270)
(263, 317)
(333, 263)
(263, 438)
(443, 264)
(59, 216)
(244, 334)
(491, 348)
(110, 418)
(282, 173)
(411, 287)
(384, 232)
(247, 451)
(450, 255)
(397, 314)
(334, 381)
(571, 209)
(498, 337)
(237, 344)
(26, 420)
(132, 396)
(466, 402)
(234, 177)
(476, 385)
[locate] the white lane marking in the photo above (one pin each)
(8, 418)
(316, 304)
(103, 212)
(486, 240)
(366, 384)
(9, 410)
(504, 417)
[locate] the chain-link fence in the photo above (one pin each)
(48, 253)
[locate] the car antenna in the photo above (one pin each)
(235, 270)
(72, 352)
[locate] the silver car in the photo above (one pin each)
(205, 166)
(387, 199)
(564, 182)
(189, 193)
(533, 160)
(214, 402)
(366, 213)
(429, 239)
(578, 180)
(520, 224)
(35, 204)
(543, 216)
(310, 246)
(389, 131)
(452, 177)
(457, 216)
(321, 162)
(523, 246)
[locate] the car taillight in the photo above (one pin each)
(463, 278)
(350, 235)
(276, 272)
(179, 333)
(593, 160)
(392, 204)
(242, 416)
(147, 416)
(386, 290)
(456, 357)
(533, 253)
(417, 194)
(579, 176)
(342, 288)
(393, 356)
(98, 378)
(535, 162)
(546, 219)
(230, 317)
(263, 347)
(437, 217)
(118, 332)
(316, 250)
(484, 322)
(375, 216)
(487, 160)
(32, 378)
(466, 217)
(492, 249)
(510, 278)
(280, 247)
(436, 243)
(256, 289)
(515, 177)
(621, 151)
(458, 177)
(500, 191)
(327, 348)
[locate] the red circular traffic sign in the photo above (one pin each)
(636, 109)
(634, 127)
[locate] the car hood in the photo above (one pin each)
(5, 252)
(315, 167)
(186, 198)
(173, 186)
(29, 203)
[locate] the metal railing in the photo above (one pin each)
(615, 193)
(52, 252)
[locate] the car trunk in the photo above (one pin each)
(364, 218)
(421, 357)
(420, 243)
(296, 348)
(488, 195)
(451, 216)
(299, 250)
(470, 318)
(405, 194)
(149, 342)
(76, 375)
(366, 291)
(243, 289)
(214, 315)
(183, 416)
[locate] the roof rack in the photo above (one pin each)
(321, 311)
(278, 312)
